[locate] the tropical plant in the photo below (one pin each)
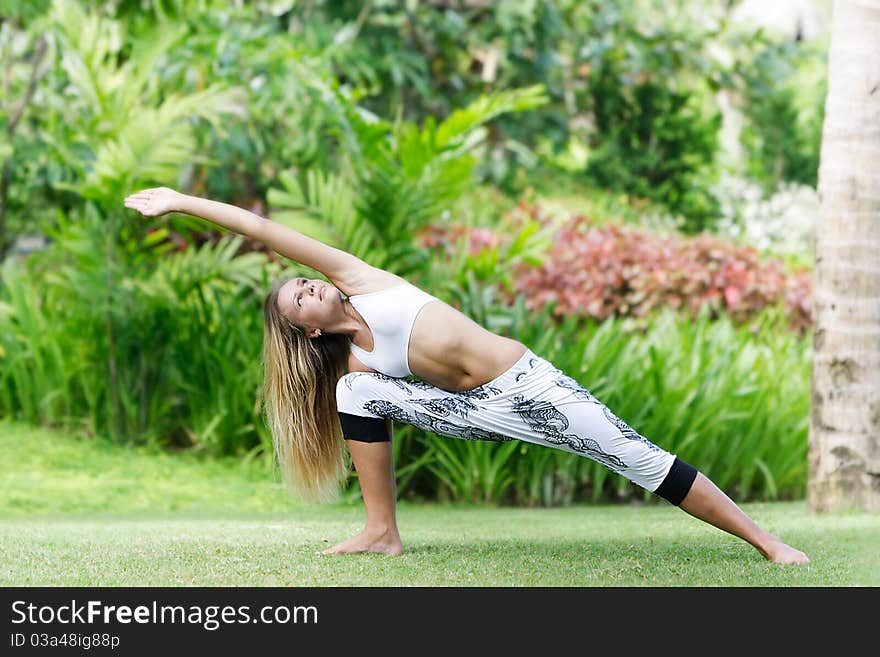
(399, 178)
(186, 335)
(23, 53)
(120, 129)
(650, 91)
(782, 86)
(600, 271)
(116, 130)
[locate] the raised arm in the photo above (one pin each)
(337, 265)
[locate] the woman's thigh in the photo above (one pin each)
(415, 403)
(538, 404)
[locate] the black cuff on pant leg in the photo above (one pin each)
(364, 429)
(678, 482)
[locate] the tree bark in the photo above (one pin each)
(844, 450)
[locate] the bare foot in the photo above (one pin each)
(373, 542)
(778, 552)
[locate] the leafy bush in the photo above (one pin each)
(181, 365)
(22, 155)
(398, 178)
(782, 86)
(612, 270)
(114, 330)
(650, 93)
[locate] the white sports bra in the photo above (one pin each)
(390, 315)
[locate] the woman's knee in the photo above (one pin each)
(349, 394)
(355, 392)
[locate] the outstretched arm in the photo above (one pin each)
(335, 264)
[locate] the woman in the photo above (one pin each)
(337, 356)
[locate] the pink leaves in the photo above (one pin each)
(481, 238)
(599, 271)
(732, 296)
(605, 270)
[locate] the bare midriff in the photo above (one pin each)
(462, 354)
(446, 347)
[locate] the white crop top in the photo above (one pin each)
(390, 315)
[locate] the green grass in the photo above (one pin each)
(86, 513)
(48, 473)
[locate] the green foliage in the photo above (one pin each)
(284, 78)
(121, 130)
(783, 85)
(186, 338)
(399, 178)
(365, 124)
(478, 473)
(23, 53)
(629, 92)
(469, 266)
(21, 12)
(656, 120)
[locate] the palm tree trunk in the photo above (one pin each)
(844, 451)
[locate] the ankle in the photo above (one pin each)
(380, 529)
(766, 544)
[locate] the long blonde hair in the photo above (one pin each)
(299, 401)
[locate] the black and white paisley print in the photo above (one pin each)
(427, 422)
(532, 401)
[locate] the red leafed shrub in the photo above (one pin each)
(613, 270)
(447, 237)
(599, 271)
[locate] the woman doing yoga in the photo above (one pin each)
(346, 357)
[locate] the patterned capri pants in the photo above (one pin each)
(532, 401)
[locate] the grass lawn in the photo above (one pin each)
(86, 513)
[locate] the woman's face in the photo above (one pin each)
(310, 303)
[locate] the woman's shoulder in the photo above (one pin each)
(368, 280)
